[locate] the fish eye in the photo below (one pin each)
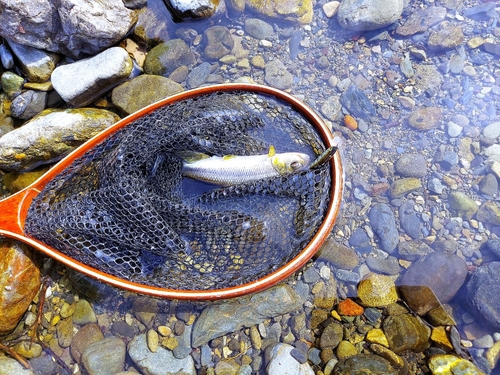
(295, 165)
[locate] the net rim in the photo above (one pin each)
(24, 198)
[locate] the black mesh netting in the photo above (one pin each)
(124, 208)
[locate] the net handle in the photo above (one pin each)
(13, 210)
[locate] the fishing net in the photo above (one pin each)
(125, 208)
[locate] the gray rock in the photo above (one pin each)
(198, 75)
(143, 90)
(368, 14)
(383, 223)
(492, 130)
(159, 363)
(183, 349)
(10, 366)
(387, 266)
(413, 250)
(282, 362)
(258, 29)
(28, 104)
(462, 205)
(435, 185)
(81, 82)
(493, 245)
(489, 185)
(409, 221)
(36, 64)
(6, 57)
(277, 75)
(457, 63)
(72, 27)
(163, 59)
(6, 124)
(104, 357)
(347, 276)
(454, 130)
(443, 273)
(483, 293)
(331, 108)
(446, 38)
(218, 42)
(218, 319)
(51, 135)
(447, 159)
(411, 165)
(357, 103)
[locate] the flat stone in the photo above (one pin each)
(219, 319)
(409, 220)
(84, 313)
(425, 118)
(383, 223)
(338, 254)
(446, 38)
(404, 186)
(218, 42)
(104, 357)
(411, 165)
(159, 363)
(364, 364)
(413, 250)
(293, 11)
(357, 103)
(11, 366)
(451, 364)
(81, 82)
(489, 213)
(462, 205)
(258, 28)
(406, 332)
(50, 135)
(86, 336)
(276, 75)
(492, 130)
(421, 20)
(142, 91)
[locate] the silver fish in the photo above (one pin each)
(232, 169)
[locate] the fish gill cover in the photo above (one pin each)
(125, 208)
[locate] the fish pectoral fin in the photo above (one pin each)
(229, 157)
(192, 156)
(272, 151)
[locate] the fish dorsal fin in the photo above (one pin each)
(192, 156)
(272, 151)
(228, 157)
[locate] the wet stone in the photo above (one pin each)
(364, 364)
(383, 223)
(406, 332)
(357, 103)
(489, 185)
(409, 220)
(37, 64)
(11, 84)
(421, 20)
(331, 336)
(451, 364)
(258, 28)
(85, 336)
(339, 255)
(440, 273)
(143, 90)
(425, 118)
(6, 57)
(489, 213)
(11, 366)
(198, 75)
(386, 266)
(377, 291)
(282, 362)
(446, 38)
(404, 186)
(277, 75)
(84, 313)
(462, 205)
(447, 159)
(368, 14)
(218, 42)
(104, 357)
(492, 130)
(163, 59)
(482, 293)
(411, 165)
(331, 108)
(413, 250)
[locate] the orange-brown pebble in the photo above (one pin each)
(350, 122)
(349, 308)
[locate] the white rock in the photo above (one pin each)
(81, 82)
(282, 363)
(454, 130)
(492, 130)
(331, 8)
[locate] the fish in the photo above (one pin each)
(231, 170)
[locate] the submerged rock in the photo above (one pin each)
(297, 11)
(282, 362)
(383, 224)
(365, 15)
(194, 8)
(218, 319)
(50, 135)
